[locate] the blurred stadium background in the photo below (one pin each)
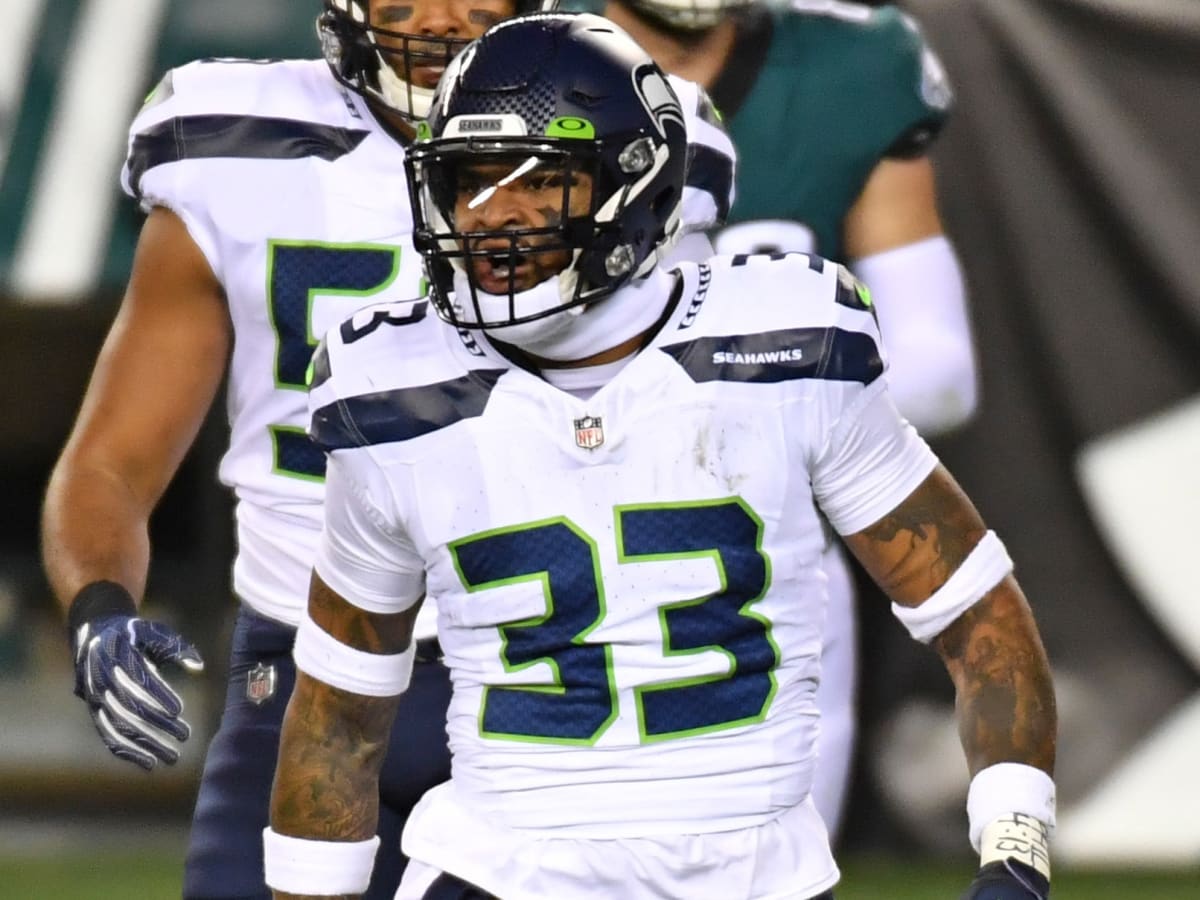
(1069, 183)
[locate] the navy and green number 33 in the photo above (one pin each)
(582, 702)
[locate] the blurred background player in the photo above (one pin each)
(277, 206)
(833, 107)
(608, 474)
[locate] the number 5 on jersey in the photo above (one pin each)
(296, 274)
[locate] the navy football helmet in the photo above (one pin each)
(380, 63)
(567, 103)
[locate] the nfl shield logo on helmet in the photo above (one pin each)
(589, 432)
(260, 684)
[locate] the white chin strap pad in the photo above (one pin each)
(400, 95)
(582, 331)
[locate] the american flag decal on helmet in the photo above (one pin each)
(589, 432)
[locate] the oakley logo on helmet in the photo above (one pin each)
(571, 127)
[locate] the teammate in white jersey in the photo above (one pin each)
(277, 206)
(610, 477)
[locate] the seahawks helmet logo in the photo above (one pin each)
(658, 98)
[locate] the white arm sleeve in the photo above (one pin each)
(364, 555)
(872, 461)
(921, 302)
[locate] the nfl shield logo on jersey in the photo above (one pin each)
(260, 684)
(589, 432)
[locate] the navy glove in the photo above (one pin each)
(1008, 879)
(116, 658)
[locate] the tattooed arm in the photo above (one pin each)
(333, 742)
(1004, 695)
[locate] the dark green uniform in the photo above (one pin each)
(815, 94)
(839, 88)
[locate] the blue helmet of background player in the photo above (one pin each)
(383, 63)
(570, 101)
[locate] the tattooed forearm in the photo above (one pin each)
(1004, 694)
(1005, 699)
(331, 749)
(333, 741)
(913, 550)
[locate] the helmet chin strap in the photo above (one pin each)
(405, 98)
(585, 330)
(526, 335)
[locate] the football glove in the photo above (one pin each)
(1008, 879)
(117, 655)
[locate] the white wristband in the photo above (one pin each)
(981, 571)
(1006, 788)
(324, 868)
(324, 657)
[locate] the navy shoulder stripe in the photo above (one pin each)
(403, 413)
(711, 170)
(832, 354)
(242, 137)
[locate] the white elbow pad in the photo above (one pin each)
(981, 571)
(921, 302)
(324, 657)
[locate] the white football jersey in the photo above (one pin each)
(629, 586)
(299, 201)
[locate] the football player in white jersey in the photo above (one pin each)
(277, 206)
(610, 476)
